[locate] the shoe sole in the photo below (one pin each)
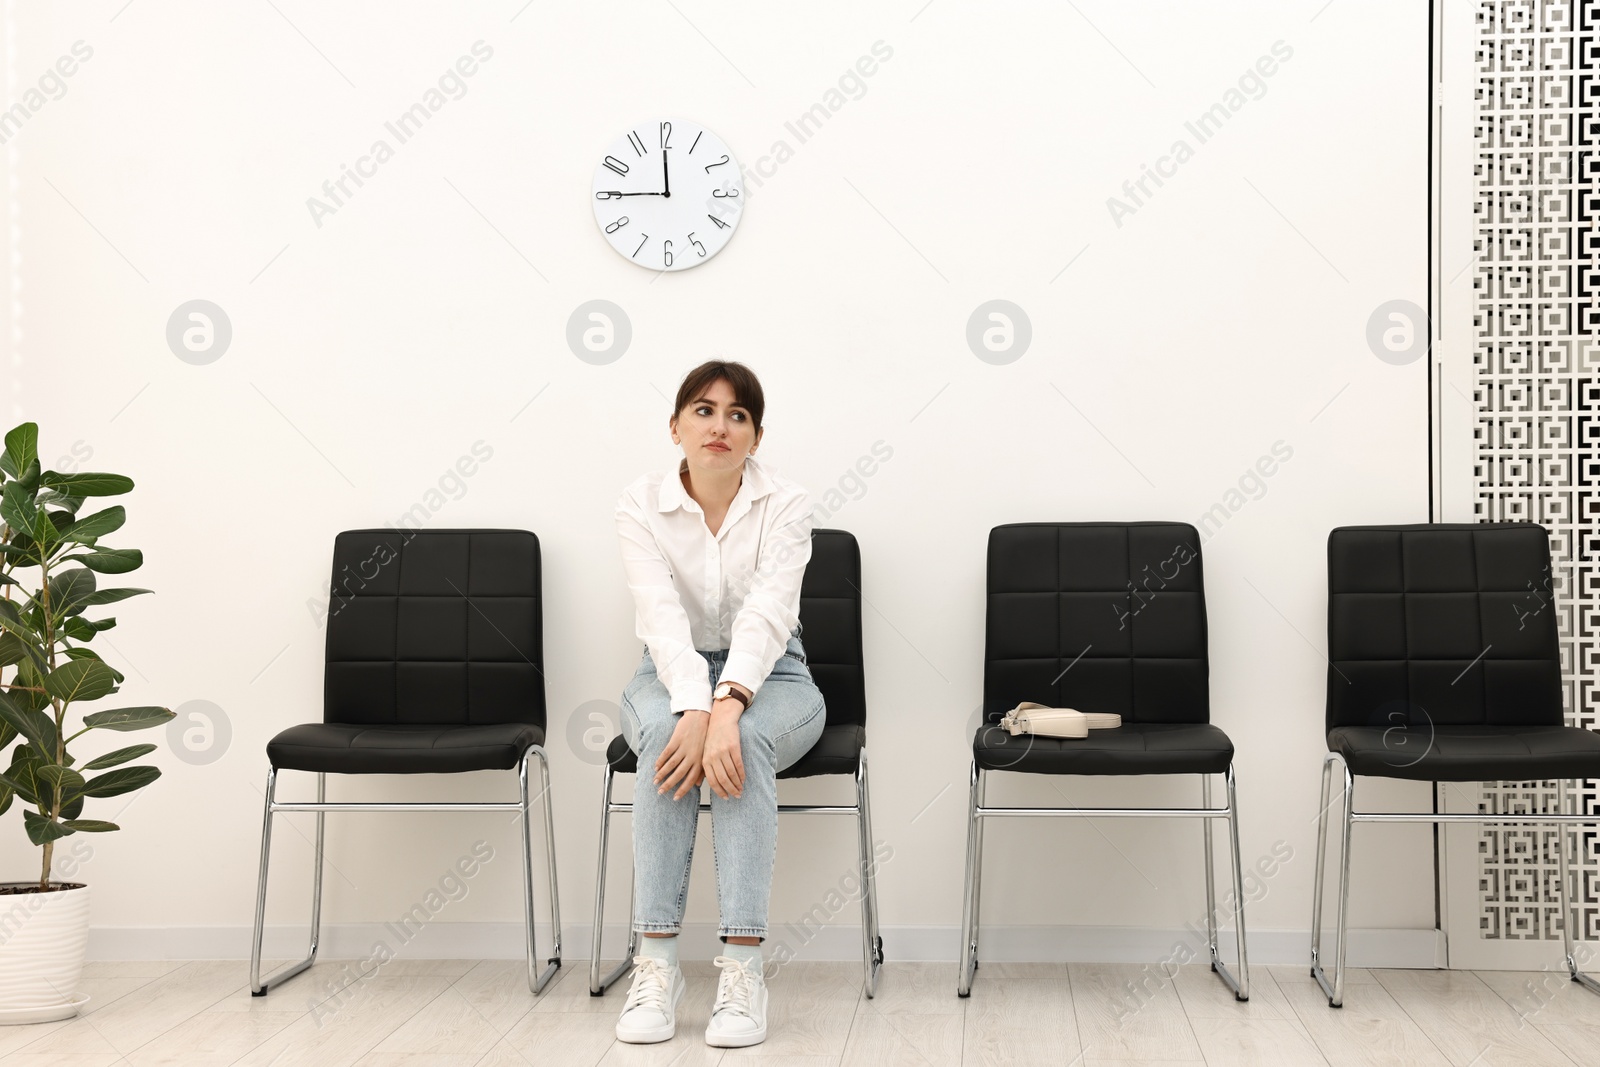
(650, 1037)
(737, 1040)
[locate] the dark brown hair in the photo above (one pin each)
(741, 379)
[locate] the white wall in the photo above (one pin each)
(1226, 314)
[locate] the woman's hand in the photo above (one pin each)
(681, 759)
(723, 765)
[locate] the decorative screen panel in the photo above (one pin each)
(1536, 315)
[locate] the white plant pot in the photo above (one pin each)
(43, 939)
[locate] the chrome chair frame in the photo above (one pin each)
(971, 899)
(1335, 989)
(537, 981)
(871, 942)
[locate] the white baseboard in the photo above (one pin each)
(1075, 944)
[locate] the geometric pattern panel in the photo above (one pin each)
(1536, 397)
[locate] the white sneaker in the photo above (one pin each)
(650, 1013)
(739, 1016)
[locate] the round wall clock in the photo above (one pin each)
(668, 194)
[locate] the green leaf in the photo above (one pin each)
(17, 509)
(89, 653)
(12, 618)
(121, 755)
(64, 780)
(107, 596)
(14, 649)
(71, 809)
(29, 478)
(69, 588)
(13, 785)
(22, 448)
(110, 560)
(78, 629)
(127, 719)
(5, 799)
(88, 484)
(19, 776)
(44, 532)
(42, 830)
(36, 726)
(65, 501)
(96, 525)
(124, 780)
(92, 826)
(81, 679)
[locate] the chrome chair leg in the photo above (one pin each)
(258, 987)
(1322, 848)
(871, 942)
(1211, 895)
(969, 907)
(595, 988)
(597, 984)
(538, 980)
(1241, 987)
(1334, 989)
(1564, 896)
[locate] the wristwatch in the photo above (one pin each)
(726, 690)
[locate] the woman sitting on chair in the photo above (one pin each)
(714, 551)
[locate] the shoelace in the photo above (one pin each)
(651, 980)
(736, 986)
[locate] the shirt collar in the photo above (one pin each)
(757, 483)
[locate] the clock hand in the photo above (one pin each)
(666, 183)
(611, 194)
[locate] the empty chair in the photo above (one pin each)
(434, 665)
(1109, 617)
(1443, 666)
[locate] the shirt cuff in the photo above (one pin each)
(744, 668)
(691, 696)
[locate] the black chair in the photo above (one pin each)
(830, 621)
(434, 665)
(1444, 666)
(1100, 616)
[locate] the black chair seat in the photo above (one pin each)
(1132, 748)
(1469, 753)
(837, 751)
(348, 748)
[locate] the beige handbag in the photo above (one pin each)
(1030, 718)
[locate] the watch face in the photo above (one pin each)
(668, 194)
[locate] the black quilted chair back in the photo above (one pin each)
(1450, 623)
(435, 627)
(830, 625)
(1097, 616)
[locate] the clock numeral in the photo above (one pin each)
(724, 194)
(641, 244)
(666, 253)
(608, 194)
(619, 224)
(666, 134)
(617, 165)
(710, 165)
(698, 247)
(720, 224)
(696, 141)
(637, 142)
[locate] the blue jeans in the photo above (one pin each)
(781, 724)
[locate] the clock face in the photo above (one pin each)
(668, 194)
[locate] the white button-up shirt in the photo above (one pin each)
(738, 589)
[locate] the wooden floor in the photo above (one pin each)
(419, 1013)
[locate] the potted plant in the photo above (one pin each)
(44, 639)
